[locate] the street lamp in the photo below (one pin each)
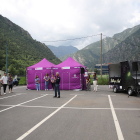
(6, 59)
(101, 55)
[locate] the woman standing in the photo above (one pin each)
(88, 82)
(95, 82)
(46, 78)
(37, 83)
(10, 83)
(53, 81)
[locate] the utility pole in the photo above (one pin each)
(6, 58)
(101, 55)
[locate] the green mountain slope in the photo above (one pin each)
(90, 55)
(62, 50)
(23, 51)
(129, 49)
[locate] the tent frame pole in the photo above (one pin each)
(69, 81)
(62, 81)
(80, 80)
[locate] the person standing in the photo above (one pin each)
(57, 85)
(0, 85)
(10, 83)
(88, 82)
(95, 82)
(37, 83)
(53, 81)
(46, 78)
(4, 82)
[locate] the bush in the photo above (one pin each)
(23, 81)
(101, 81)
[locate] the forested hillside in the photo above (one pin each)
(129, 49)
(90, 55)
(23, 50)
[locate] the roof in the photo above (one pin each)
(69, 62)
(43, 63)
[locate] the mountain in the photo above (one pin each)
(129, 49)
(62, 50)
(90, 55)
(23, 50)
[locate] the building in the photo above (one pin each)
(104, 68)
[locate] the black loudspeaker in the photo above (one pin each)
(135, 66)
(82, 70)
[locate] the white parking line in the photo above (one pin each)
(45, 94)
(12, 96)
(117, 125)
(44, 120)
(77, 94)
(22, 103)
(37, 106)
(64, 107)
(85, 108)
(107, 95)
(127, 108)
(124, 109)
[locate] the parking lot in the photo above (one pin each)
(77, 115)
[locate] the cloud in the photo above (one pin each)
(48, 20)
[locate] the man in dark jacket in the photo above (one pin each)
(57, 86)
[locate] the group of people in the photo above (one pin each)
(95, 79)
(54, 82)
(4, 80)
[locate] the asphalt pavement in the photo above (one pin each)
(77, 115)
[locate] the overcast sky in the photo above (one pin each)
(48, 20)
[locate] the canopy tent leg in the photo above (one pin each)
(69, 81)
(81, 80)
(62, 81)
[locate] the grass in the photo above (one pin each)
(23, 81)
(101, 81)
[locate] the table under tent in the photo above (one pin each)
(72, 74)
(40, 69)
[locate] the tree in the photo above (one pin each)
(89, 70)
(96, 70)
(21, 71)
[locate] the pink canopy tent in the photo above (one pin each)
(70, 74)
(40, 69)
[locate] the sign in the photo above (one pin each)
(39, 68)
(115, 81)
(74, 76)
(65, 68)
(85, 74)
